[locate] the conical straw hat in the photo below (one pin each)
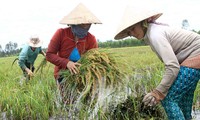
(80, 15)
(133, 15)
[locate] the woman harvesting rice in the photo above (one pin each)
(178, 49)
(28, 56)
(67, 44)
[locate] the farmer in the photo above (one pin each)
(67, 44)
(28, 56)
(178, 49)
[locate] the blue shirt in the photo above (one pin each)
(28, 55)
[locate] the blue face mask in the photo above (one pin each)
(79, 31)
(74, 56)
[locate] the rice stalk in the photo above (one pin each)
(14, 61)
(134, 109)
(96, 66)
(41, 65)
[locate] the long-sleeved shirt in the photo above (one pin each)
(62, 44)
(172, 46)
(28, 55)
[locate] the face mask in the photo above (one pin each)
(79, 31)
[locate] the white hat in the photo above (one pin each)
(133, 15)
(80, 15)
(35, 42)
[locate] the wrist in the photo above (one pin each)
(158, 95)
(27, 69)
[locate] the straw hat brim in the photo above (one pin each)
(80, 15)
(39, 44)
(132, 17)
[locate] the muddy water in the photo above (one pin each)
(196, 115)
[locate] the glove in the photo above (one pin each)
(153, 98)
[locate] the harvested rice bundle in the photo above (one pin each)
(98, 69)
(133, 109)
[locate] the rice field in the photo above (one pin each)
(39, 98)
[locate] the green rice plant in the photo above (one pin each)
(28, 101)
(21, 100)
(41, 66)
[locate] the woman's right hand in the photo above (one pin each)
(30, 73)
(72, 66)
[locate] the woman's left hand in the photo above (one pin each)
(72, 66)
(149, 100)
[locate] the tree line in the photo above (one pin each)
(11, 48)
(121, 43)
